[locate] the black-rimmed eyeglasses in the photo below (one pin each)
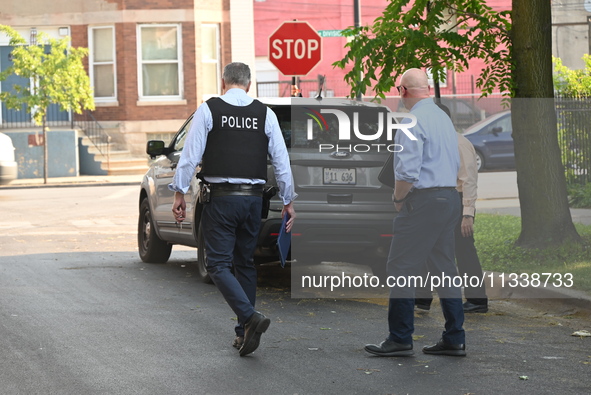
(399, 87)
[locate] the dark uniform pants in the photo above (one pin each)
(231, 228)
(424, 231)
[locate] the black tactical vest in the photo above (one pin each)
(237, 145)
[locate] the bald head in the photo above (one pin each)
(414, 78)
(415, 87)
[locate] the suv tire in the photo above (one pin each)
(202, 257)
(152, 248)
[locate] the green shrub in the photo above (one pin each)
(579, 196)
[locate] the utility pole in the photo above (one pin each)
(295, 89)
(357, 23)
(436, 89)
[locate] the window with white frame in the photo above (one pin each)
(102, 62)
(159, 62)
(210, 59)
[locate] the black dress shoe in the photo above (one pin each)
(475, 308)
(443, 348)
(238, 342)
(388, 348)
(423, 306)
(423, 303)
(253, 329)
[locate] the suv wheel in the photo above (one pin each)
(152, 248)
(201, 257)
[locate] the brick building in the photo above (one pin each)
(151, 62)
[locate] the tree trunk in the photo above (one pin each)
(545, 215)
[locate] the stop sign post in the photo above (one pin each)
(295, 48)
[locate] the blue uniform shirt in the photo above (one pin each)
(433, 160)
(197, 138)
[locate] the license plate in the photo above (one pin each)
(339, 176)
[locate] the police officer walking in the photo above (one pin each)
(231, 137)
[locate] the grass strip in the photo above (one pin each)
(495, 237)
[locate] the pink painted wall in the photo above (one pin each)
(335, 15)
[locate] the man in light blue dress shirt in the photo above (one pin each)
(428, 203)
(231, 137)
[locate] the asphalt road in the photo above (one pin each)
(81, 314)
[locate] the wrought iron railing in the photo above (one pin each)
(95, 133)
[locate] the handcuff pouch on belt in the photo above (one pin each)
(204, 189)
(204, 193)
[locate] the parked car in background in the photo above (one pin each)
(493, 142)
(464, 113)
(8, 167)
(344, 212)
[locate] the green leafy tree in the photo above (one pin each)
(572, 83)
(424, 34)
(56, 77)
(515, 47)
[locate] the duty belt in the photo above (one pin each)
(433, 189)
(420, 190)
(227, 189)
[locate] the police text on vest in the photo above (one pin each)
(236, 122)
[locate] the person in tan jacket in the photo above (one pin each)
(466, 255)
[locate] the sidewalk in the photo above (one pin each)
(74, 181)
(498, 194)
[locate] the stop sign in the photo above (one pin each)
(295, 48)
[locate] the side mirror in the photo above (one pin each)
(155, 148)
(497, 130)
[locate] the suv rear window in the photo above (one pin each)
(296, 122)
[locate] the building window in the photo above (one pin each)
(102, 62)
(159, 62)
(210, 59)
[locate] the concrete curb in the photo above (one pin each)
(558, 299)
(80, 181)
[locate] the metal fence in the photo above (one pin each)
(18, 119)
(574, 137)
